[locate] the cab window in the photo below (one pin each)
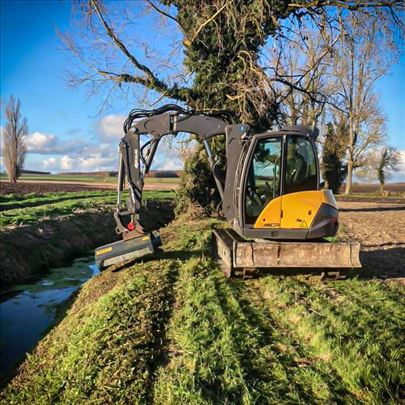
(300, 172)
(263, 181)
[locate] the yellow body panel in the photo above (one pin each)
(295, 210)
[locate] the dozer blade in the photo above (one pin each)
(125, 250)
(239, 255)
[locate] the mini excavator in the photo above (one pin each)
(278, 215)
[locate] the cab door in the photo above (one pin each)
(300, 198)
(263, 181)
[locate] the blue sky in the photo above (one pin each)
(66, 131)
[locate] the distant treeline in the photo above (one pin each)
(152, 173)
(33, 172)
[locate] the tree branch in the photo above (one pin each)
(168, 16)
(204, 24)
(151, 81)
(349, 5)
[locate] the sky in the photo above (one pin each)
(67, 132)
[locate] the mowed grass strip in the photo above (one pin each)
(297, 374)
(364, 348)
(222, 349)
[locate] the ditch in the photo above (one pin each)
(28, 311)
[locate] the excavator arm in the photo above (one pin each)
(136, 159)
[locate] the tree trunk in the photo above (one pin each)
(350, 163)
(382, 188)
(349, 178)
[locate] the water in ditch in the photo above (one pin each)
(28, 311)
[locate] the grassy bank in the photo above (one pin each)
(47, 230)
(173, 330)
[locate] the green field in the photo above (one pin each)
(30, 208)
(174, 330)
(88, 178)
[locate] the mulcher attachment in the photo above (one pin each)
(127, 250)
(239, 256)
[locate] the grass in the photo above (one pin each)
(13, 201)
(16, 210)
(88, 178)
(59, 177)
(173, 330)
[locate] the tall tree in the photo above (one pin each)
(305, 56)
(220, 64)
(363, 57)
(380, 163)
(13, 139)
(221, 43)
(333, 152)
(389, 160)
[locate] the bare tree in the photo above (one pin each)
(13, 139)
(381, 163)
(362, 58)
(216, 59)
(305, 59)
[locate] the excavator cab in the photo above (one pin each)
(276, 193)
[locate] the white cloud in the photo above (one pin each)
(98, 162)
(49, 164)
(167, 157)
(399, 175)
(88, 163)
(49, 144)
(110, 127)
(39, 142)
(99, 151)
(66, 163)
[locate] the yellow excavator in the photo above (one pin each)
(278, 215)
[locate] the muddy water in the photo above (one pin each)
(28, 311)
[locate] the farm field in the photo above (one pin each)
(172, 329)
(32, 207)
(53, 186)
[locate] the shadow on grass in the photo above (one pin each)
(274, 336)
(160, 255)
(383, 263)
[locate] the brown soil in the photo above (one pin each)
(380, 228)
(374, 188)
(28, 186)
(379, 200)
